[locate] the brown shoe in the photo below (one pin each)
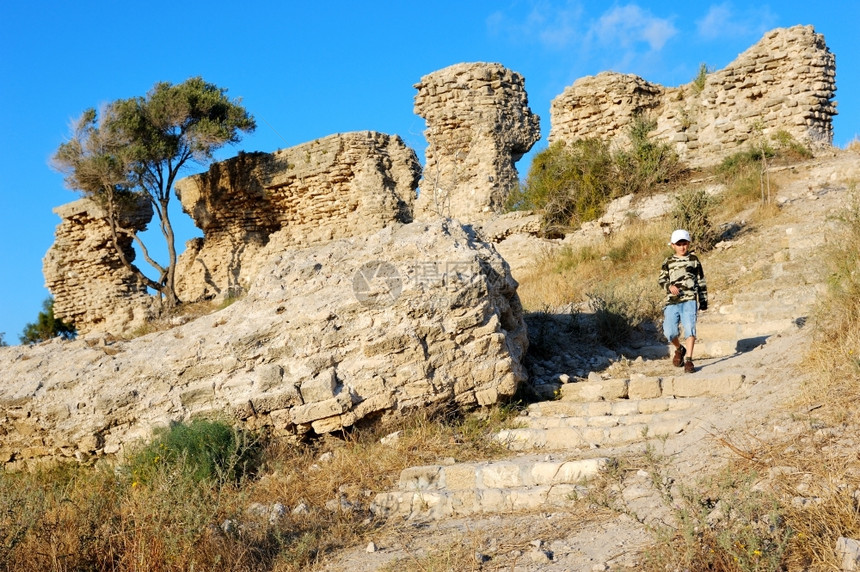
(678, 358)
(688, 366)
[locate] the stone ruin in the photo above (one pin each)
(92, 288)
(352, 311)
(478, 125)
(785, 82)
(329, 336)
(343, 185)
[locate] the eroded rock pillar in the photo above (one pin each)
(478, 126)
(92, 289)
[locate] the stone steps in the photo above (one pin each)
(463, 489)
(565, 438)
(752, 317)
(728, 338)
(609, 412)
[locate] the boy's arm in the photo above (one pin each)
(663, 279)
(702, 288)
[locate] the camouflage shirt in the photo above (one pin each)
(686, 273)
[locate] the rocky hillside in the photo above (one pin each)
(329, 336)
(535, 509)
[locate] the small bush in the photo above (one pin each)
(701, 78)
(722, 523)
(647, 163)
(568, 184)
(46, 326)
(203, 450)
(693, 211)
(743, 173)
(789, 148)
(619, 309)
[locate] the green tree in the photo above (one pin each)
(136, 150)
(46, 326)
(3, 343)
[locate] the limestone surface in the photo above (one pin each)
(328, 336)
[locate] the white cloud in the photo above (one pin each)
(627, 26)
(553, 25)
(723, 21)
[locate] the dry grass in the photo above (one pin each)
(630, 258)
(182, 314)
(779, 504)
(102, 518)
(492, 546)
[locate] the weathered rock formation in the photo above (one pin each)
(342, 185)
(90, 285)
(328, 336)
(785, 82)
(478, 125)
(339, 186)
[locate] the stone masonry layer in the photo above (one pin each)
(339, 186)
(785, 82)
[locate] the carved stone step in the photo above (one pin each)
(438, 491)
(570, 438)
(639, 387)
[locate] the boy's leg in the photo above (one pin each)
(688, 320)
(671, 320)
(690, 342)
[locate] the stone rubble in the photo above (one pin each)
(327, 337)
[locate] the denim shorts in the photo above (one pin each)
(683, 313)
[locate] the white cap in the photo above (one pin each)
(680, 235)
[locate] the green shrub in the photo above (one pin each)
(46, 326)
(788, 147)
(693, 211)
(568, 183)
(619, 309)
(743, 175)
(203, 450)
(646, 163)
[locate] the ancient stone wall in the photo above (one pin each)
(342, 185)
(92, 289)
(478, 125)
(785, 82)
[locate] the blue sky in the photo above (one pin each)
(306, 70)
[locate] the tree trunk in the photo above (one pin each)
(169, 291)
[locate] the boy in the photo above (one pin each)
(683, 280)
